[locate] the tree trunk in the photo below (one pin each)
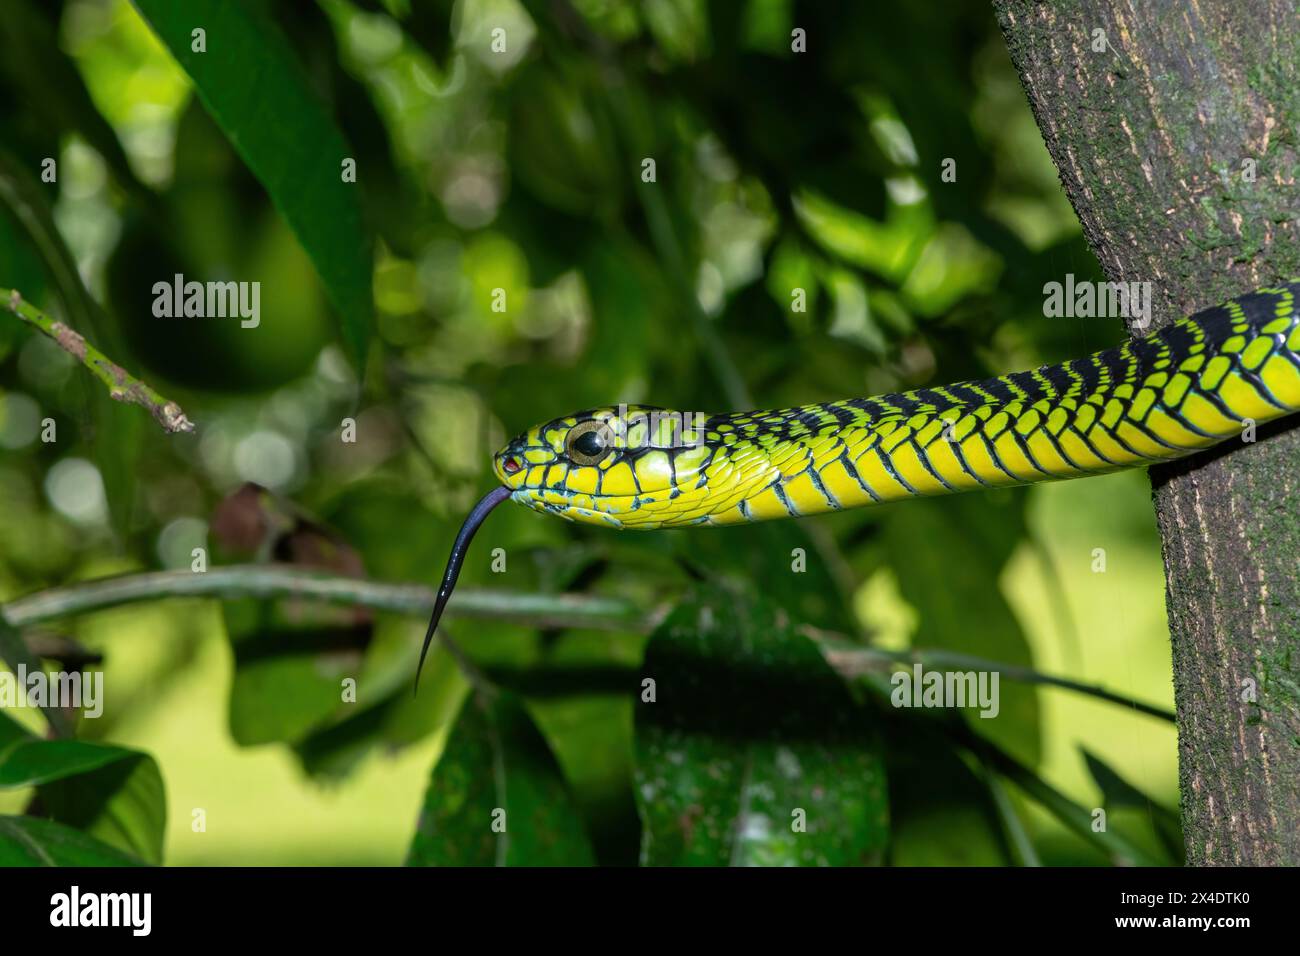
(1176, 130)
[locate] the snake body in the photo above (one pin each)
(1196, 383)
(1183, 388)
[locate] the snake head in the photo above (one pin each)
(611, 466)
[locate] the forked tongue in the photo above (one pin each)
(456, 559)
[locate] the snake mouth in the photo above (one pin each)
(513, 464)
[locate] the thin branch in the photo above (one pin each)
(593, 612)
(278, 581)
(122, 386)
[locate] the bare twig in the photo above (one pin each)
(589, 611)
(272, 581)
(122, 386)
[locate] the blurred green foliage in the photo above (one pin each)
(501, 148)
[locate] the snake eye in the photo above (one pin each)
(588, 442)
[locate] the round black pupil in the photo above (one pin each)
(590, 444)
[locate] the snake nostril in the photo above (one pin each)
(511, 465)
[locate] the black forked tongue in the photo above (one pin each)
(454, 562)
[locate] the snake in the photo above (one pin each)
(1193, 384)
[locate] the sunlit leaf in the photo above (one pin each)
(27, 841)
(123, 803)
(884, 248)
(111, 793)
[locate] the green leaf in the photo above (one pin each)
(753, 751)
(109, 792)
(32, 761)
(252, 84)
(288, 679)
(887, 249)
(1121, 797)
(124, 803)
(386, 714)
(388, 196)
(495, 761)
(791, 268)
(27, 841)
(13, 651)
(1115, 790)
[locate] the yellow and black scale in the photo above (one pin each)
(1178, 390)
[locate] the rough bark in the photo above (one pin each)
(1152, 137)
